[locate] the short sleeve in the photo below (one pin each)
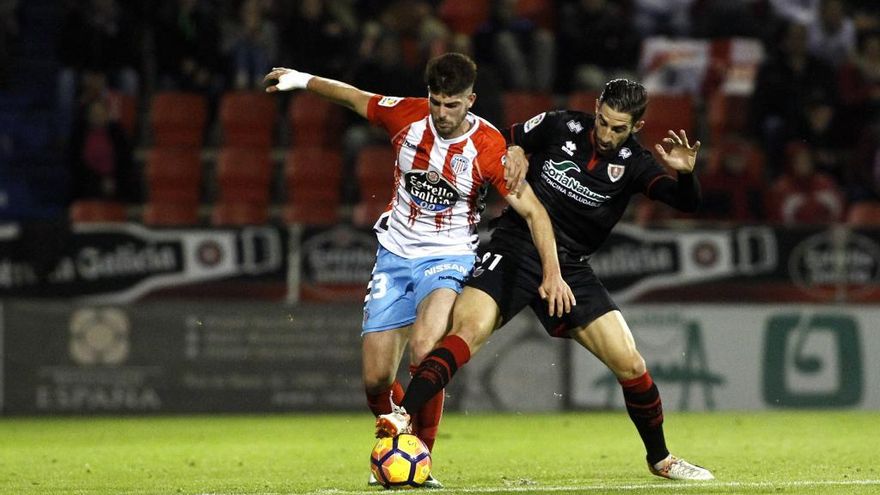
(535, 133)
(491, 157)
(394, 113)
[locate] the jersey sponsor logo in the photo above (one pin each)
(574, 126)
(445, 267)
(625, 153)
(389, 101)
(460, 163)
(534, 121)
(556, 175)
(569, 148)
(615, 171)
(430, 191)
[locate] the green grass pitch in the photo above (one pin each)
(573, 453)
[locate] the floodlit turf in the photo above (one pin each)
(793, 453)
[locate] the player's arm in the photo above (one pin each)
(336, 91)
(522, 138)
(553, 288)
(684, 193)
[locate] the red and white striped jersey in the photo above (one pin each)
(433, 210)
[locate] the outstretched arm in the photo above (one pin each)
(553, 288)
(336, 91)
(684, 193)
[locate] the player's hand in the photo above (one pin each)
(287, 79)
(682, 156)
(558, 295)
(515, 167)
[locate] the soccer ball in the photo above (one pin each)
(401, 462)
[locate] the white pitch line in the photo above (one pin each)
(612, 488)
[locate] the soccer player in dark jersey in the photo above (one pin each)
(584, 168)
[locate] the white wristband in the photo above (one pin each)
(293, 80)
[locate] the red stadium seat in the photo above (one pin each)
(165, 214)
(375, 172)
(247, 118)
(738, 148)
(244, 174)
(727, 114)
(313, 177)
(173, 175)
(239, 213)
(178, 119)
(667, 112)
(584, 101)
(520, 106)
(864, 214)
(97, 211)
(465, 16)
(314, 121)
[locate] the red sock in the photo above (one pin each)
(381, 403)
(426, 421)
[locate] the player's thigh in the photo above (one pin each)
(475, 316)
(432, 322)
(390, 301)
(381, 352)
(609, 338)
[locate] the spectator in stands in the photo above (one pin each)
(597, 42)
(832, 34)
(859, 79)
(251, 40)
(318, 37)
(95, 36)
(663, 17)
(863, 173)
(728, 18)
(522, 52)
(188, 46)
(731, 190)
(795, 11)
(784, 81)
(802, 194)
(826, 130)
(100, 157)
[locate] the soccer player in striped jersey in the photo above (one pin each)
(427, 235)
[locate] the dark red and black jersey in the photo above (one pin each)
(584, 193)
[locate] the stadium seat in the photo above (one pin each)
(667, 112)
(733, 147)
(173, 175)
(178, 119)
(585, 101)
(727, 114)
(864, 214)
(244, 174)
(312, 177)
(375, 172)
(520, 106)
(314, 121)
(464, 16)
(97, 210)
(239, 213)
(247, 118)
(165, 214)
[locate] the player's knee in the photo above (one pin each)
(377, 381)
(471, 332)
(419, 347)
(629, 367)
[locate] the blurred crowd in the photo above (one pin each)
(810, 118)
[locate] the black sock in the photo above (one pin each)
(434, 372)
(646, 412)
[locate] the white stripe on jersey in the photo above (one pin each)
(415, 231)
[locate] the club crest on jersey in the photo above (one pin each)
(625, 153)
(574, 126)
(430, 190)
(389, 101)
(615, 171)
(532, 122)
(459, 163)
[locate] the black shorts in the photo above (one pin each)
(509, 270)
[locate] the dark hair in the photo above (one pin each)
(625, 96)
(450, 74)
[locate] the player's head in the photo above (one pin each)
(619, 111)
(450, 79)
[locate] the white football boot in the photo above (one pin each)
(679, 469)
(397, 422)
(431, 482)
(373, 481)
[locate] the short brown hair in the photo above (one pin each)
(625, 96)
(450, 74)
